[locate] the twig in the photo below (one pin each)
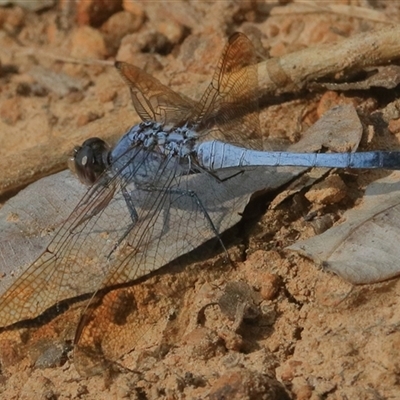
(29, 51)
(294, 71)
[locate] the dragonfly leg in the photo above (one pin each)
(130, 205)
(221, 180)
(193, 195)
(134, 217)
(215, 176)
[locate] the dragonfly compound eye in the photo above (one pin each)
(90, 160)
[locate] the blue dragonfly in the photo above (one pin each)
(164, 189)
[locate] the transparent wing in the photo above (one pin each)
(57, 274)
(79, 256)
(152, 100)
(230, 102)
(171, 221)
(102, 244)
(228, 109)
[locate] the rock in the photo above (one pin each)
(118, 26)
(52, 355)
(394, 126)
(331, 190)
(87, 42)
(173, 31)
(32, 5)
(10, 111)
(133, 7)
(203, 343)
(247, 385)
(122, 23)
(96, 12)
(12, 20)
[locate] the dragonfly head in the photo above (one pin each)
(89, 160)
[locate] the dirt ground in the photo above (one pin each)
(271, 326)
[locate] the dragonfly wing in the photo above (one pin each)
(78, 258)
(152, 100)
(55, 275)
(230, 102)
(171, 222)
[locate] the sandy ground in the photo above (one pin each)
(271, 326)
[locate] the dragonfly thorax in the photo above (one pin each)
(148, 148)
(153, 136)
(178, 142)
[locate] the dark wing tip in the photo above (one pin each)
(235, 36)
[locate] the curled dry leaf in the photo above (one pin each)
(365, 248)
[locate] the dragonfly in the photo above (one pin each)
(164, 189)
